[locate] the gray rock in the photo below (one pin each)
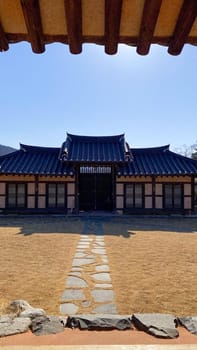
(17, 306)
(68, 308)
(10, 325)
(46, 325)
(190, 323)
(159, 325)
(32, 313)
(102, 276)
(103, 285)
(80, 255)
(99, 251)
(86, 303)
(75, 273)
(105, 309)
(73, 294)
(102, 295)
(99, 322)
(74, 281)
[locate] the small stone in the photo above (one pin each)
(82, 247)
(100, 243)
(73, 281)
(102, 295)
(101, 268)
(104, 260)
(102, 276)
(32, 313)
(76, 273)
(73, 294)
(105, 309)
(68, 309)
(76, 269)
(80, 255)
(86, 303)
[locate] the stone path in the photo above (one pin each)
(88, 285)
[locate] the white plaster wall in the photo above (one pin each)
(148, 189)
(158, 189)
(71, 202)
(2, 188)
(2, 202)
(120, 189)
(119, 202)
(187, 203)
(30, 202)
(31, 188)
(41, 188)
(187, 189)
(148, 202)
(41, 202)
(158, 203)
(71, 188)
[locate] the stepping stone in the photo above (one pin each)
(102, 295)
(80, 262)
(103, 285)
(102, 244)
(105, 309)
(76, 273)
(68, 309)
(83, 246)
(104, 259)
(76, 269)
(84, 243)
(101, 268)
(73, 281)
(102, 276)
(80, 255)
(90, 256)
(72, 294)
(99, 251)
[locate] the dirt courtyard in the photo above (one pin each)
(152, 260)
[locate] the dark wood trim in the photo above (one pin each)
(149, 19)
(183, 26)
(3, 40)
(113, 10)
(31, 12)
(73, 10)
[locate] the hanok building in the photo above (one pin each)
(97, 174)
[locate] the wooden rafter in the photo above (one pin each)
(183, 26)
(3, 40)
(31, 11)
(112, 25)
(73, 10)
(148, 23)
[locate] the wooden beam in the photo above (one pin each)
(183, 26)
(113, 9)
(31, 12)
(3, 40)
(73, 9)
(149, 19)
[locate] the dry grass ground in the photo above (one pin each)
(154, 270)
(35, 257)
(153, 262)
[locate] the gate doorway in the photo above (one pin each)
(95, 188)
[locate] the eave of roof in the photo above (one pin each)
(108, 23)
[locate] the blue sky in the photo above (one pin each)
(152, 99)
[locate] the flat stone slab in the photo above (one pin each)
(68, 309)
(102, 276)
(74, 281)
(104, 260)
(105, 309)
(99, 251)
(103, 285)
(101, 268)
(190, 323)
(72, 294)
(75, 273)
(10, 326)
(80, 255)
(100, 243)
(102, 295)
(96, 322)
(159, 325)
(47, 325)
(83, 246)
(83, 261)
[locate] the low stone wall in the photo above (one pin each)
(24, 317)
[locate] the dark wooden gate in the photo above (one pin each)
(95, 188)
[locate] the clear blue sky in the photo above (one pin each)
(152, 99)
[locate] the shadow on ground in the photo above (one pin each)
(124, 226)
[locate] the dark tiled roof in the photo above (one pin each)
(95, 149)
(158, 161)
(34, 160)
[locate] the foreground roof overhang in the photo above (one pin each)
(138, 23)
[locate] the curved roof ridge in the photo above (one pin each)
(183, 157)
(32, 148)
(95, 138)
(152, 149)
